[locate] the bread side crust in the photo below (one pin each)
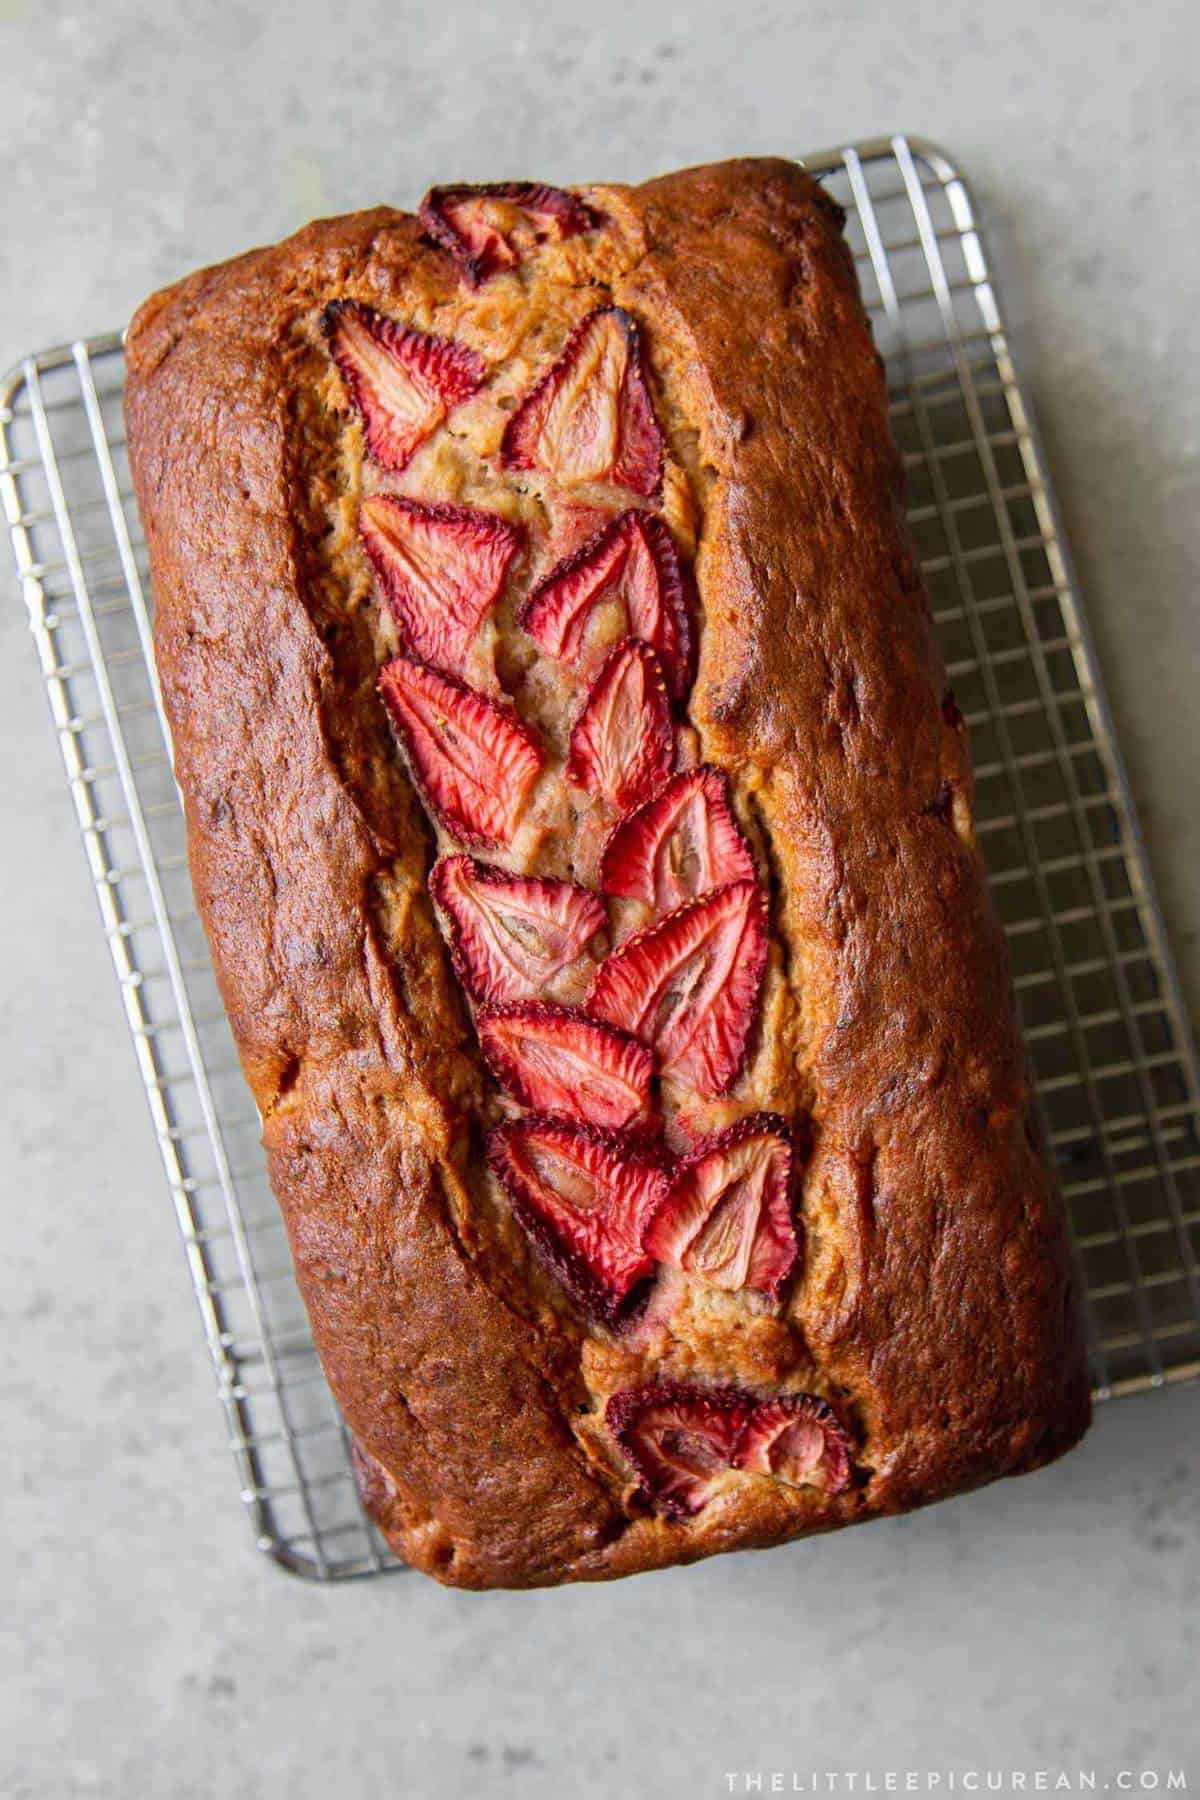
(936, 1294)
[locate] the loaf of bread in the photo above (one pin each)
(582, 827)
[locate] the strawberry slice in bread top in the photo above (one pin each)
(678, 844)
(798, 1439)
(486, 227)
(474, 761)
(402, 383)
(557, 1060)
(622, 744)
(688, 1443)
(727, 1218)
(511, 936)
(590, 417)
(680, 1440)
(631, 566)
(441, 568)
(689, 985)
(584, 1197)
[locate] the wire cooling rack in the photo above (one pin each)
(1116, 1069)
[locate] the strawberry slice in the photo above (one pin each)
(680, 1440)
(683, 1442)
(798, 1439)
(727, 1219)
(486, 228)
(689, 985)
(590, 417)
(679, 844)
(622, 744)
(556, 1060)
(583, 1196)
(632, 563)
(510, 934)
(441, 568)
(473, 760)
(402, 383)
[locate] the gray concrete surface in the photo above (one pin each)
(145, 1649)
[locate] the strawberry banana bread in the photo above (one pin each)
(582, 827)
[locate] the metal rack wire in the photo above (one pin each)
(1116, 1068)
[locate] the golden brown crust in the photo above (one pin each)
(935, 1303)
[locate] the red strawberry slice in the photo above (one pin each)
(679, 844)
(485, 228)
(441, 567)
(680, 1440)
(631, 562)
(583, 1196)
(474, 761)
(689, 985)
(509, 934)
(683, 1441)
(798, 1439)
(590, 417)
(622, 744)
(727, 1219)
(402, 383)
(556, 1060)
